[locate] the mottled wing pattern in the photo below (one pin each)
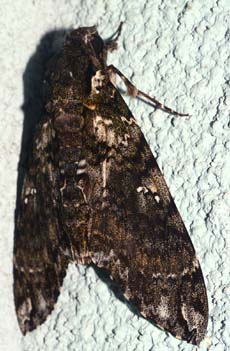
(136, 231)
(40, 248)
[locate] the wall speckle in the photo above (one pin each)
(177, 51)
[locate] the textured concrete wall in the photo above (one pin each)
(179, 52)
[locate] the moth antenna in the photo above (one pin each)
(111, 43)
(134, 92)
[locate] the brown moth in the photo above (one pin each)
(94, 194)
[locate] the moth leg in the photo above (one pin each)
(111, 43)
(134, 92)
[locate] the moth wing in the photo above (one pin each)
(40, 248)
(137, 233)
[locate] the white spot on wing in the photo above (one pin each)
(125, 140)
(64, 186)
(82, 167)
(33, 191)
(24, 311)
(163, 309)
(83, 193)
(27, 191)
(103, 130)
(81, 171)
(82, 163)
(193, 318)
(100, 258)
(156, 275)
(142, 189)
(42, 302)
(104, 173)
(128, 121)
(195, 265)
(157, 198)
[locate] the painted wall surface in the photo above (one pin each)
(177, 51)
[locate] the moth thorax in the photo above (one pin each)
(98, 81)
(88, 34)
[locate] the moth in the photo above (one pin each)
(94, 194)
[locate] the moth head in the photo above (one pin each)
(88, 39)
(98, 81)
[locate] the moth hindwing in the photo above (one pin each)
(94, 194)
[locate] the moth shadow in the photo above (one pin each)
(103, 274)
(33, 106)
